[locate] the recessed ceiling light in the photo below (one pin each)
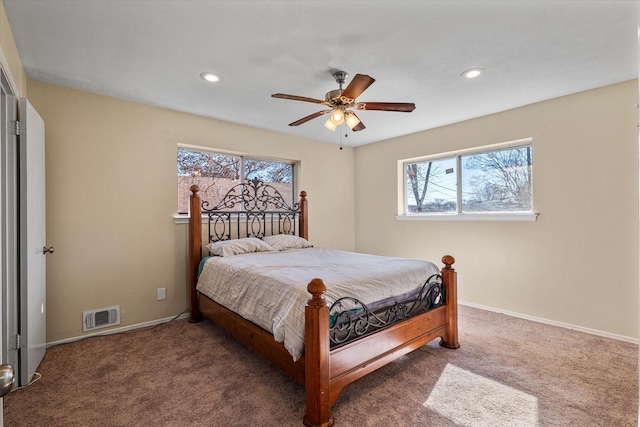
(472, 73)
(210, 77)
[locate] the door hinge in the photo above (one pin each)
(14, 127)
(18, 343)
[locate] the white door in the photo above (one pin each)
(32, 295)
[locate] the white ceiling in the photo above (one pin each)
(153, 51)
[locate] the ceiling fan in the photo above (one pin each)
(340, 101)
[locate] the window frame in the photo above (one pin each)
(183, 218)
(459, 215)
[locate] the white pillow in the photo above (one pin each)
(238, 246)
(281, 242)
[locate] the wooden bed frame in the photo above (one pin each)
(323, 371)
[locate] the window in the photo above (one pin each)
(215, 173)
(497, 180)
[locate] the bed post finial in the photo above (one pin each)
(316, 356)
(316, 288)
(448, 261)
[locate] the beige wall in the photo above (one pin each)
(578, 264)
(111, 196)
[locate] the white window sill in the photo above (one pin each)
(503, 216)
(183, 218)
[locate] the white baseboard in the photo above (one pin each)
(118, 330)
(552, 322)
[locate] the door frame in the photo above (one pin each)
(8, 202)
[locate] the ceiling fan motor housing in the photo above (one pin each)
(334, 97)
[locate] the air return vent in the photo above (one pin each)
(100, 318)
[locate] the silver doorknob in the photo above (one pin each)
(7, 378)
(46, 250)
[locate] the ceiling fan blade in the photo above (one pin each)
(296, 98)
(358, 84)
(309, 117)
(405, 107)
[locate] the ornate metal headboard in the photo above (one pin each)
(252, 209)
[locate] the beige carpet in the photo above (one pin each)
(508, 372)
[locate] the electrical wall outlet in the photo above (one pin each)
(162, 293)
(460, 279)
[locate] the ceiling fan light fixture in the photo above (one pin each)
(330, 125)
(351, 119)
(337, 116)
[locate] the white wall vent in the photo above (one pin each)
(100, 318)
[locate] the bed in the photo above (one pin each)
(344, 336)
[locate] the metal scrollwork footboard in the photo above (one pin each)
(351, 319)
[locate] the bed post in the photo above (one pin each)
(450, 278)
(195, 252)
(316, 354)
(303, 230)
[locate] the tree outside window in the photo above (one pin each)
(498, 181)
(488, 181)
(216, 173)
(431, 186)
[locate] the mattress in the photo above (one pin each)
(270, 288)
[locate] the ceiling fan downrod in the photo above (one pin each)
(341, 77)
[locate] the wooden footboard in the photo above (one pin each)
(329, 371)
(323, 371)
